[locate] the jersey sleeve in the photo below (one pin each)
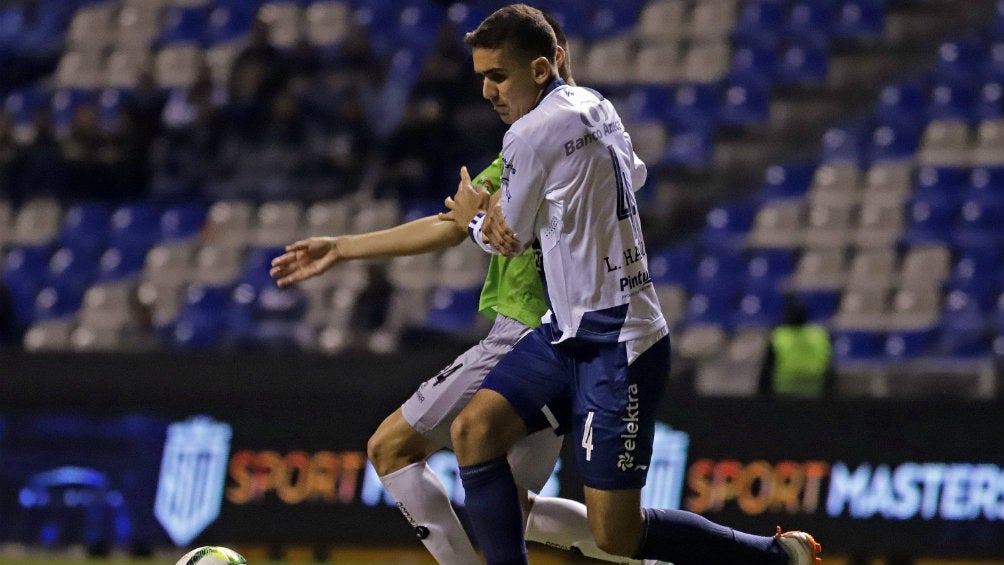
(489, 178)
(522, 188)
(639, 172)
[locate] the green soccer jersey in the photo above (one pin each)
(512, 286)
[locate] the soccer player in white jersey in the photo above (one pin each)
(597, 364)
(399, 448)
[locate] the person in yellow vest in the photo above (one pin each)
(799, 361)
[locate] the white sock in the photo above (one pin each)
(422, 499)
(562, 523)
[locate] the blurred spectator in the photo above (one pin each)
(191, 130)
(280, 161)
(45, 172)
(10, 334)
(96, 160)
(799, 360)
(259, 72)
(11, 156)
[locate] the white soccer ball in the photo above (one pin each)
(212, 555)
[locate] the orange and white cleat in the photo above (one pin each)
(801, 547)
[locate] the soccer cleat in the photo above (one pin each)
(801, 548)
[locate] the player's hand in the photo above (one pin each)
(468, 202)
(498, 233)
(304, 259)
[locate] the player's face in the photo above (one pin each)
(512, 87)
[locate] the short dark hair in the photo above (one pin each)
(520, 28)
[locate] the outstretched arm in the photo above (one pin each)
(312, 256)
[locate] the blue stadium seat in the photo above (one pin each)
(761, 309)
(952, 102)
(893, 143)
(649, 102)
(993, 69)
(760, 21)
(85, 227)
(711, 305)
(745, 103)
(66, 101)
(903, 345)
(719, 271)
(809, 19)
(452, 310)
(726, 225)
(257, 264)
(274, 303)
(859, 19)
(847, 143)
(694, 106)
(753, 62)
(768, 268)
(902, 103)
(821, 304)
(196, 330)
(611, 19)
(803, 63)
(977, 273)
(57, 301)
(183, 24)
(787, 181)
(960, 60)
(72, 269)
(121, 261)
(181, 221)
(672, 266)
(228, 22)
(857, 345)
(24, 269)
(990, 105)
(931, 218)
(135, 223)
(691, 148)
(964, 313)
(981, 211)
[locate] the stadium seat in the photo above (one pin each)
(135, 223)
(828, 225)
(914, 308)
(931, 218)
(612, 21)
(904, 345)
(85, 227)
(745, 103)
(48, 336)
(809, 20)
(196, 330)
(736, 372)
(753, 62)
(977, 273)
(902, 103)
(862, 309)
(888, 183)
(893, 143)
(701, 341)
(672, 266)
(859, 20)
(778, 223)
(759, 309)
(107, 306)
(662, 21)
(37, 222)
(873, 269)
(856, 345)
(706, 63)
(227, 23)
(727, 225)
(181, 221)
(121, 262)
(846, 144)
(452, 310)
(760, 21)
(768, 269)
(787, 181)
(952, 102)
(183, 25)
(988, 148)
(658, 64)
(712, 20)
(177, 65)
(327, 23)
(71, 269)
(803, 63)
(959, 60)
(54, 302)
(691, 148)
(694, 106)
(821, 304)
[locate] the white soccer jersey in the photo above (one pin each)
(568, 182)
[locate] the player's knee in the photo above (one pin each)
(468, 431)
(386, 453)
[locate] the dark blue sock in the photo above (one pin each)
(493, 507)
(685, 538)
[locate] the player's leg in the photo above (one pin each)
(613, 430)
(513, 399)
(400, 446)
(555, 522)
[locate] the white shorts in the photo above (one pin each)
(432, 408)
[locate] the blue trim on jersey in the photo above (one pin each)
(606, 323)
(595, 93)
(472, 225)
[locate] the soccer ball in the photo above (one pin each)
(212, 555)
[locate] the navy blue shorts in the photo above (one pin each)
(589, 390)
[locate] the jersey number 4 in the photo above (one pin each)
(626, 206)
